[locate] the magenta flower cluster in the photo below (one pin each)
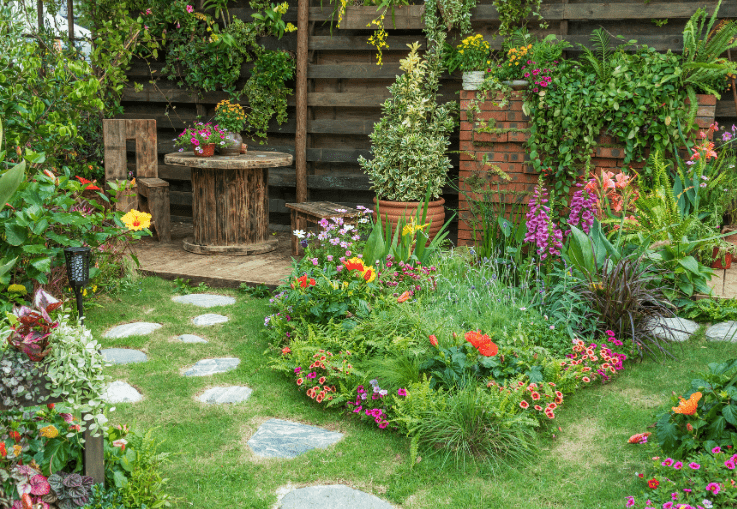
(336, 240)
(407, 274)
(365, 407)
(540, 78)
(541, 230)
(583, 205)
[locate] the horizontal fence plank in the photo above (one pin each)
(726, 107)
(366, 71)
(360, 43)
(399, 18)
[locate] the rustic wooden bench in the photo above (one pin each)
(312, 212)
(94, 447)
(153, 192)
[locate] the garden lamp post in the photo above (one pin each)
(78, 271)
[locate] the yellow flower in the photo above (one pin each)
(17, 289)
(135, 220)
(290, 28)
(17, 449)
(369, 274)
(49, 432)
(412, 228)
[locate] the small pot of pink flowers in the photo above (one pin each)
(202, 138)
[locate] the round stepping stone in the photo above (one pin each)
(212, 366)
(131, 329)
(672, 329)
(121, 392)
(219, 395)
(204, 300)
(725, 331)
(209, 319)
(283, 439)
(333, 496)
(123, 356)
(191, 338)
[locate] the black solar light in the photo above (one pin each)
(78, 272)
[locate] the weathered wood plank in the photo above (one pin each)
(360, 43)
(726, 107)
(400, 18)
(324, 155)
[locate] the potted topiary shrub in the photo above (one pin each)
(410, 141)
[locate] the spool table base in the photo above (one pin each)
(237, 249)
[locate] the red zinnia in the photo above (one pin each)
(300, 381)
(3, 451)
(320, 397)
(653, 483)
(535, 396)
(433, 340)
(15, 436)
(321, 380)
(524, 404)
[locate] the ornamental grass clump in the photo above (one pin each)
(410, 140)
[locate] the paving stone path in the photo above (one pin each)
(191, 338)
(673, 329)
(121, 392)
(123, 356)
(221, 395)
(334, 496)
(726, 331)
(207, 367)
(132, 329)
(284, 439)
(209, 319)
(204, 300)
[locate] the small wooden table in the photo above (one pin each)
(230, 201)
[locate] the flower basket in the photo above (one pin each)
(405, 17)
(204, 150)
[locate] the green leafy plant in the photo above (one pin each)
(472, 54)
(410, 140)
(260, 291)
(70, 489)
(705, 416)
(710, 310)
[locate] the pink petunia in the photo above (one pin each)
(713, 487)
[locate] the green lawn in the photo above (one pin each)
(587, 463)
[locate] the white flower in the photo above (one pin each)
(363, 220)
(523, 309)
(299, 234)
(347, 227)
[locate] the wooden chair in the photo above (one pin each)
(153, 192)
(312, 212)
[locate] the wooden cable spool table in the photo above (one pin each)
(230, 201)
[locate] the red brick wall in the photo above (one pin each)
(508, 150)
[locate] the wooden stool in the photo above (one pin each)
(153, 198)
(313, 212)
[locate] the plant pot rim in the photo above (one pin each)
(430, 203)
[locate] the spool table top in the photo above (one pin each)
(251, 159)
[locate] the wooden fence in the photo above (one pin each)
(345, 89)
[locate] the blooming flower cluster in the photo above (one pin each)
(410, 275)
(539, 77)
(704, 481)
(303, 282)
(540, 399)
(360, 270)
(583, 205)
(370, 405)
(319, 377)
(592, 363)
(337, 238)
(199, 135)
(483, 343)
(616, 191)
(541, 230)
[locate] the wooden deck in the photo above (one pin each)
(169, 260)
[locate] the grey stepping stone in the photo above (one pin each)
(219, 395)
(121, 392)
(191, 338)
(283, 439)
(333, 496)
(131, 329)
(204, 300)
(212, 366)
(123, 355)
(672, 329)
(725, 331)
(209, 319)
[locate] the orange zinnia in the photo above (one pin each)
(688, 406)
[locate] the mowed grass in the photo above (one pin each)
(584, 460)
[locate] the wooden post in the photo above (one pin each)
(70, 21)
(40, 12)
(300, 139)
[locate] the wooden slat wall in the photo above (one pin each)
(346, 89)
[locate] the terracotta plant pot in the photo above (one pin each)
(394, 210)
(732, 238)
(206, 150)
(717, 260)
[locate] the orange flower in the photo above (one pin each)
(355, 263)
(475, 338)
(3, 451)
(488, 349)
(688, 407)
(404, 297)
(638, 438)
(433, 340)
(286, 350)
